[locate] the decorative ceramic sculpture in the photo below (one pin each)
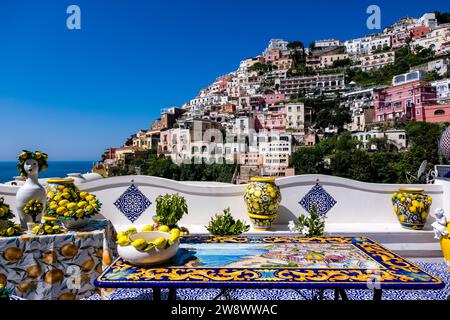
(441, 232)
(29, 166)
(262, 197)
(411, 206)
(444, 144)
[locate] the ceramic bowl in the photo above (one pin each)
(75, 224)
(151, 257)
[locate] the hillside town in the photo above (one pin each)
(291, 96)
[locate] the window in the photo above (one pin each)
(418, 112)
(439, 112)
(418, 100)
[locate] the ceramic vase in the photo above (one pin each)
(445, 246)
(67, 184)
(412, 207)
(262, 197)
(31, 189)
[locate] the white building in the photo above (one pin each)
(327, 43)
(437, 39)
(380, 41)
(442, 89)
(376, 60)
(296, 114)
(395, 138)
(279, 44)
(359, 46)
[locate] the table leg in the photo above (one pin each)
(157, 294)
(377, 294)
(339, 292)
(172, 294)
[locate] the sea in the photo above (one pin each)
(56, 169)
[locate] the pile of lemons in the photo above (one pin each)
(11, 230)
(5, 211)
(47, 227)
(70, 204)
(160, 243)
(33, 207)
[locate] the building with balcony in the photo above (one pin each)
(298, 86)
(442, 90)
(406, 101)
(357, 47)
(394, 139)
(376, 60)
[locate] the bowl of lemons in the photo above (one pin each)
(148, 247)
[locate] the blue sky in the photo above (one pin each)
(74, 93)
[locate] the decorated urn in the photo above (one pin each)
(444, 144)
(29, 166)
(262, 197)
(411, 206)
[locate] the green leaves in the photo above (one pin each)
(312, 225)
(225, 225)
(170, 208)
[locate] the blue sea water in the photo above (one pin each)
(216, 256)
(55, 169)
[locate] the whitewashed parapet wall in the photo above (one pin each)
(361, 208)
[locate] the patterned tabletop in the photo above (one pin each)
(274, 262)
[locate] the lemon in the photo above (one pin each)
(51, 195)
(48, 229)
(90, 208)
(57, 198)
(83, 194)
(123, 241)
(174, 234)
(72, 206)
(35, 229)
(56, 228)
(63, 203)
(10, 231)
(131, 230)
(60, 210)
(89, 198)
(67, 214)
(160, 243)
(79, 214)
(82, 204)
(66, 195)
(139, 244)
(163, 228)
(147, 228)
(80, 211)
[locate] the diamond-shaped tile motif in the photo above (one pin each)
(132, 203)
(318, 196)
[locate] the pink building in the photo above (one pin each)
(419, 31)
(406, 101)
(274, 98)
(437, 113)
(273, 55)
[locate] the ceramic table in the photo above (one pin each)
(62, 266)
(288, 262)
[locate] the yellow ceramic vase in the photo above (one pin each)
(445, 246)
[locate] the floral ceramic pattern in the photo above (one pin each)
(319, 197)
(394, 272)
(411, 209)
(59, 266)
(132, 203)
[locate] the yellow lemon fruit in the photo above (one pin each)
(60, 210)
(90, 198)
(35, 229)
(82, 204)
(123, 241)
(57, 198)
(160, 243)
(131, 230)
(72, 206)
(50, 195)
(139, 244)
(90, 208)
(83, 194)
(56, 228)
(80, 211)
(163, 228)
(67, 214)
(66, 195)
(147, 228)
(10, 231)
(79, 214)
(63, 203)
(48, 229)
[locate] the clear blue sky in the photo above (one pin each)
(74, 93)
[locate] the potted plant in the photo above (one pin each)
(10, 230)
(5, 213)
(309, 226)
(72, 207)
(225, 225)
(170, 208)
(33, 208)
